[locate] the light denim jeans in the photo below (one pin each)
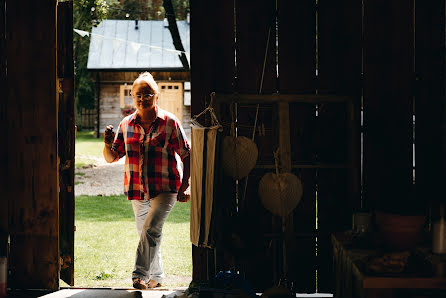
(150, 216)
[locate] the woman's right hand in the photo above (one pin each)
(109, 135)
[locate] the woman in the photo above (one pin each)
(153, 142)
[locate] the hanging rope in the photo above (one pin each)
(210, 109)
(257, 108)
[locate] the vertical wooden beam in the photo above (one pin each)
(388, 94)
(339, 72)
(430, 106)
(256, 72)
(65, 73)
(297, 74)
(252, 38)
(32, 147)
(3, 121)
(297, 46)
(212, 69)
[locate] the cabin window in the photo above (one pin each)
(125, 97)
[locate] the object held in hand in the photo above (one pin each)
(184, 198)
(109, 135)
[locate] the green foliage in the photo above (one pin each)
(86, 13)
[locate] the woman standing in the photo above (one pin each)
(153, 142)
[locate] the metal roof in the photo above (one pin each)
(118, 45)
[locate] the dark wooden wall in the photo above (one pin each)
(3, 122)
(386, 57)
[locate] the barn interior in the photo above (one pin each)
(336, 86)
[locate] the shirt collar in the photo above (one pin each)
(160, 113)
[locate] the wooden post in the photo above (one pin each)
(98, 105)
(430, 104)
(3, 121)
(339, 72)
(32, 151)
(297, 75)
(65, 73)
(212, 69)
(388, 94)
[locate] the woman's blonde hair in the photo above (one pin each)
(148, 78)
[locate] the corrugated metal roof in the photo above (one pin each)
(116, 44)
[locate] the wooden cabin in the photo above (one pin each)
(311, 68)
(120, 50)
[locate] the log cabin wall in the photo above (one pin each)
(369, 51)
(32, 187)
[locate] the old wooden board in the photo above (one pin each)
(66, 135)
(212, 55)
(255, 37)
(339, 72)
(212, 69)
(297, 74)
(302, 251)
(3, 121)
(297, 46)
(388, 93)
(430, 100)
(32, 149)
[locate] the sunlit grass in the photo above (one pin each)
(87, 145)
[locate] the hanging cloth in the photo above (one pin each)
(204, 158)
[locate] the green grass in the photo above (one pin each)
(87, 145)
(106, 241)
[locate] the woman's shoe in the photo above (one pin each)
(139, 284)
(153, 284)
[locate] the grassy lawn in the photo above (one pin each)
(106, 241)
(87, 146)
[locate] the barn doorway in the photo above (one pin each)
(106, 238)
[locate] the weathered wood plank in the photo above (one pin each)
(430, 127)
(66, 115)
(255, 34)
(3, 121)
(339, 72)
(212, 69)
(297, 46)
(302, 252)
(32, 149)
(252, 43)
(388, 93)
(297, 73)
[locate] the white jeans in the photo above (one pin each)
(150, 217)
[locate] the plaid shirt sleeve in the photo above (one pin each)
(119, 144)
(179, 141)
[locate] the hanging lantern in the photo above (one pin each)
(239, 156)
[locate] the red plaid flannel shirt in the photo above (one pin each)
(151, 164)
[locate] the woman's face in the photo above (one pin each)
(144, 98)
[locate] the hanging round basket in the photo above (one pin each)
(239, 156)
(280, 193)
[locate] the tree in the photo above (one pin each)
(86, 13)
